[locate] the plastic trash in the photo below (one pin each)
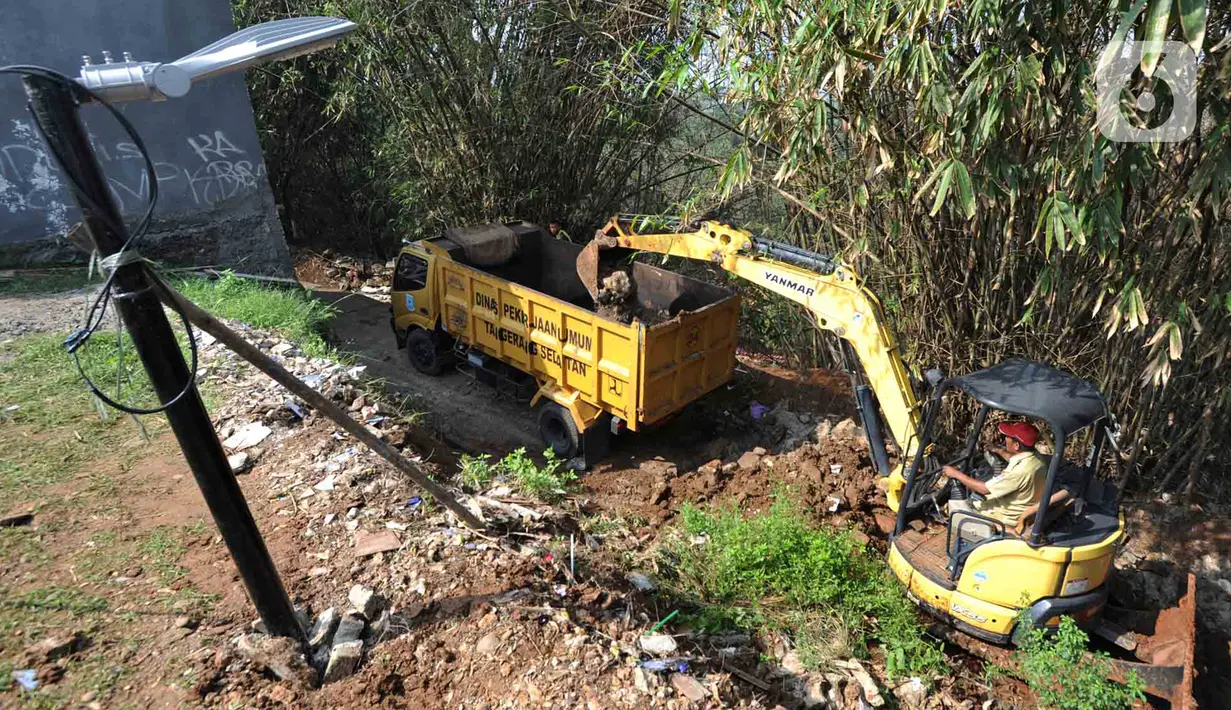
(757, 410)
(26, 678)
(641, 582)
(662, 665)
(658, 644)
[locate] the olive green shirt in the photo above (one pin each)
(1017, 488)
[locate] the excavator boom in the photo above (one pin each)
(831, 290)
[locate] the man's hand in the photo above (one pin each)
(973, 484)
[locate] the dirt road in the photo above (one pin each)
(464, 412)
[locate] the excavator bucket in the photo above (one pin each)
(1162, 643)
(587, 267)
(588, 260)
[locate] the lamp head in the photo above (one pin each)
(266, 42)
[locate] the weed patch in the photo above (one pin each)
(292, 312)
(776, 571)
(547, 482)
(477, 471)
(1062, 675)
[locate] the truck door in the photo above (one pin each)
(412, 298)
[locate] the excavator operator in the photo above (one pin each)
(1006, 495)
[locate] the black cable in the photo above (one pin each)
(98, 309)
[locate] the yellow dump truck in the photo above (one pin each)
(504, 301)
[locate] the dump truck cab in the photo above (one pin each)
(1055, 561)
(415, 304)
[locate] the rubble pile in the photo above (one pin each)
(537, 612)
(347, 273)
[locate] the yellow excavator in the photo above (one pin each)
(982, 585)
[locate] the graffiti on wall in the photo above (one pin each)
(215, 170)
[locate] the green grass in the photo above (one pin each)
(292, 312)
(162, 551)
(73, 601)
(49, 281)
(1062, 675)
(57, 426)
(778, 571)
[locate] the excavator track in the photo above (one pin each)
(1165, 652)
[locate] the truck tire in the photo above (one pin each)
(559, 431)
(423, 351)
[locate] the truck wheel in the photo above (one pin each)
(423, 350)
(559, 431)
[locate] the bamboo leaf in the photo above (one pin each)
(1175, 343)
(965, 191)
(942, 190)
(1193, 14)
(930, 181)
(1153, 31)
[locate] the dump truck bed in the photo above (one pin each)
(534, 313)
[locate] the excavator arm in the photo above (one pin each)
(829, 289)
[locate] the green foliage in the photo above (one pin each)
(456, 112)
(292, 312)
(1063, 675)
(548, 482)
(951, 152)
(776, 570)
(477, 471)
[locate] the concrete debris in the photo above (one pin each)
(796, 428)
(364, 600)
(848, 429)
(658, 644)
(326, 484)
(689, 687)
(238, 462)
(321, 633)
(247, 437)
(642, 680)
(370, 543)
(281, 348)
(279, 655)
(793, 665)
(350, 628)
(912, 695)
(54, 647)
(488, 645)
(343, 660)
(855, 669)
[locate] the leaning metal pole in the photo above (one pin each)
(56, 108)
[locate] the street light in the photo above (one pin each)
(55, 100)
(131, 80)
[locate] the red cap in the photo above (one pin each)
(1025, 433)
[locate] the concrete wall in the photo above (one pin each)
(214, 204)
